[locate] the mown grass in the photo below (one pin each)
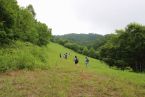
(62, 78)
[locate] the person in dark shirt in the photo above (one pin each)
(76, 60)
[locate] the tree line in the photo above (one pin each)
(76, 47)
(123, 49)
(18, 23)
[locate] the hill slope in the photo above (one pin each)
(64, 79)
(83, 39)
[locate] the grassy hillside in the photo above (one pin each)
(55, 77)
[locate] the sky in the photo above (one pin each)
(87, 16)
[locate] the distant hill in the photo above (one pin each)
(84, 39)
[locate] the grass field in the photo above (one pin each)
(63, 78)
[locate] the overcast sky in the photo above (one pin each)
(87, 16)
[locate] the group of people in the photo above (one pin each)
(65, 56)
(76, 60)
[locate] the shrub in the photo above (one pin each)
(23, 56)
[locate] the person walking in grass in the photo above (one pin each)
(86, 61)
(65, 56)
(60, 55)
(76, 60)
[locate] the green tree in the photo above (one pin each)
(20, 24)
(85, 51)
(91, 52)
(126, 48)
(44, 33)
(31, 10)
(7, 20)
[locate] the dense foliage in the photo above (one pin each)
(89, 40)
(23, 55)
(18, 23)
(126, 48)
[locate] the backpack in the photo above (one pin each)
(87, 60)
(76, 60)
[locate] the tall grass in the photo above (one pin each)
(23, 56)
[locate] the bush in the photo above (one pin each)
(23, 56)
(25, 60)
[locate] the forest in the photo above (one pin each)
(18, 23)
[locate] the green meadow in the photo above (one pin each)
(28, 70)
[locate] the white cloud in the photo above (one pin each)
(86, 16)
